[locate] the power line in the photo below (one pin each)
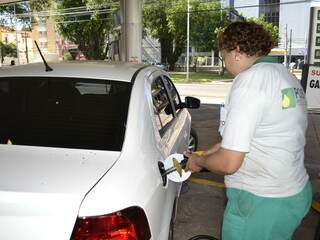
(84, 10)
(84, 20)
(71, 14)
(227, 8)
(73, 10)
(97, 7)
(244, 6)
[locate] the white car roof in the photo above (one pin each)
(78, 69)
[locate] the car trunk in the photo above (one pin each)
(41, 189)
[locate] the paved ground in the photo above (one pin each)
(213, 93)
(201, 207)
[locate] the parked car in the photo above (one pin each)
(162, 66)
(80, 151)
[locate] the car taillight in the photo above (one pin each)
(128, 224)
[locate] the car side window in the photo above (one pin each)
(174, 95)
(161, 105)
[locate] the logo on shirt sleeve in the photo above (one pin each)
(288, 98)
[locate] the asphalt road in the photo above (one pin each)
(212, 93)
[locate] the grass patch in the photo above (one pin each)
(199, 77)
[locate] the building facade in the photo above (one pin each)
(22, 39)
(44, 32)
(291, 16)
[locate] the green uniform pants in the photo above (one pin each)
(250, 217)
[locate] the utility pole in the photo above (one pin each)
(290, 44)
(188, 38)
(306, 51)
(15, 27)
(286, 48)
(26, 44)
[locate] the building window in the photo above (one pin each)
(42, 34)
(318, 27)
(317, 41)
(269, 9)
(317, 54)
(42, 21)
(43, 45)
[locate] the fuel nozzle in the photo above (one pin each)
(177, 166)
(175, 163)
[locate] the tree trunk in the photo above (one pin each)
(176, 54)
(166, 50)
(94, 48)
(168, 55)
(223, 69)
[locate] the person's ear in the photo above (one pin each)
(237, 54)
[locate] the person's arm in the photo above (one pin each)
(213, 149)
(222, 161)
(245, 110)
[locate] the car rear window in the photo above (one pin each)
(63, 112)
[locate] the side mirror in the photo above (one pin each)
(192, 102)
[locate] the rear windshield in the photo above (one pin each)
(63, 112)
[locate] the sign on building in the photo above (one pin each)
(311, 84)
(314, 36)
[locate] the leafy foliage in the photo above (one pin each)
(40, 5)
(156, 19)
(166, 20)
(206, 21)
(90, 28)
(21, 10)
(274, 30)
(87, 23)
(7, 50)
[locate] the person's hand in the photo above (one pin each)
(193, 163)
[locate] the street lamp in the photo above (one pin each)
(188, 41)
(16, 30)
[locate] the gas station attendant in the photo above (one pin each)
(261, 154)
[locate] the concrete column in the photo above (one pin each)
(122, 42)
(131, 30)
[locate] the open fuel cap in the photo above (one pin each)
(176, 176)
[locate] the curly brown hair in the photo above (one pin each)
(251, 38)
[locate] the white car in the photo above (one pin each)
(81, 148)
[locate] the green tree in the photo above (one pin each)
(14, 13)
(90, 29)
(167, 21)
(273, 30)
(7, 50)
(161, 19)
(206, 21)
(87, 23)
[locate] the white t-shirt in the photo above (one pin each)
(266, 117)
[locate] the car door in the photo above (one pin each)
(181, 123)
(173, 122)
(172, 126)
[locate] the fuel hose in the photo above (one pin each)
(203, 237)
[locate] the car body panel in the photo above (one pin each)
(41, 188)
(149, 149)
(76, 69)
(75, 182)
